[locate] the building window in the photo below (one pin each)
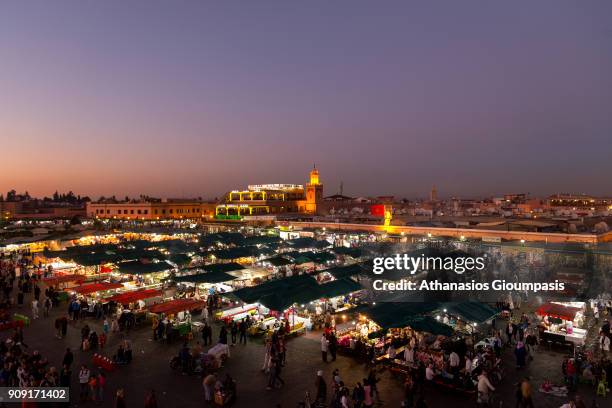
(163, 211)
(138, 211)
(145, 211)
(170, 211)
(108, 211)
(131, 211)
(155, 212)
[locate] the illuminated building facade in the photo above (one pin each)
(579, 201)
(269, 199)
(151, 210)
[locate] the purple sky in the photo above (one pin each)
(195, 98)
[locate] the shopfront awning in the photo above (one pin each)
(176, 306)
(56, 280)
(558, 311)
(134, 296)
(96, 287)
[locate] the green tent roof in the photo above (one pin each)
(472, 311)
(338, 288)
(254, 293)
(397, 314)
(340, 272)
(323, 257)
(278, 261)
(94, 259)
(175, 245)
(429, 325)
(261, 240)
(226, 238)
(281, 293)
(97, 258)
(222, 267)
(234, 253)
(352, 252)
(306, 242)
(139, 268)
(415, 315)
(180, 259)
(206, 277)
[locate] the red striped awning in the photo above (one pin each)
(134, 296)
(56, 280)
(96, 287)
(177, 305)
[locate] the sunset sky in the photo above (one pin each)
(195, 98)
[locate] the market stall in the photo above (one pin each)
(176, 315)
(561, 322)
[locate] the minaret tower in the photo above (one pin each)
(433, 196)
(314, 191)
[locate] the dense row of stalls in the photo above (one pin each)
(433, 324)
(297, 303)
(131, 272)
(121, 275)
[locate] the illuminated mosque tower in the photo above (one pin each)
(314, 191)
(433, 196)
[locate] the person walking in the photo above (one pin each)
(242, 328)
(324, 347)
(321, 395)
(484, 388)
(47, 307)
(93, 387)
(604, 344)
(526, 401)
(234, 332)
(154, 326)
(84, 382)
(373, 380)
(333, 345)
(359, 395)
(64, 324)
(368, 401)
(275, 371)
(223, 335)
(101, 384)
(65, 376)
(150, 400)
(207, 334)
(520, 354)
(68, 358)
(35, 309)
(120, 399)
